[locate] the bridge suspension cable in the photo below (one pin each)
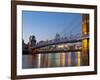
(71, 27)
(75, 27)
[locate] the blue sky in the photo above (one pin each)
(45, 25)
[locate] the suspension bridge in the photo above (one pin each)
(63, 39)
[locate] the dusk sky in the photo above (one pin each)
(45, 25)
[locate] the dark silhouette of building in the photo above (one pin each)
(24, 48)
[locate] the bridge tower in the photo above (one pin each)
(32, 43)
(33, 57)
(85, 42)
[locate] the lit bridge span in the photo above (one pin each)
(36, 48)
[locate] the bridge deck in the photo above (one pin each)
(60, 42)
(56, 51)
(56, 43)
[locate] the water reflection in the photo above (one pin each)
(52, 60)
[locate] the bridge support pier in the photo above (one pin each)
(33, 58)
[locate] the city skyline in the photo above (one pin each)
(45, 25)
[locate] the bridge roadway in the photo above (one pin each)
(56, 51)
(55, 43)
